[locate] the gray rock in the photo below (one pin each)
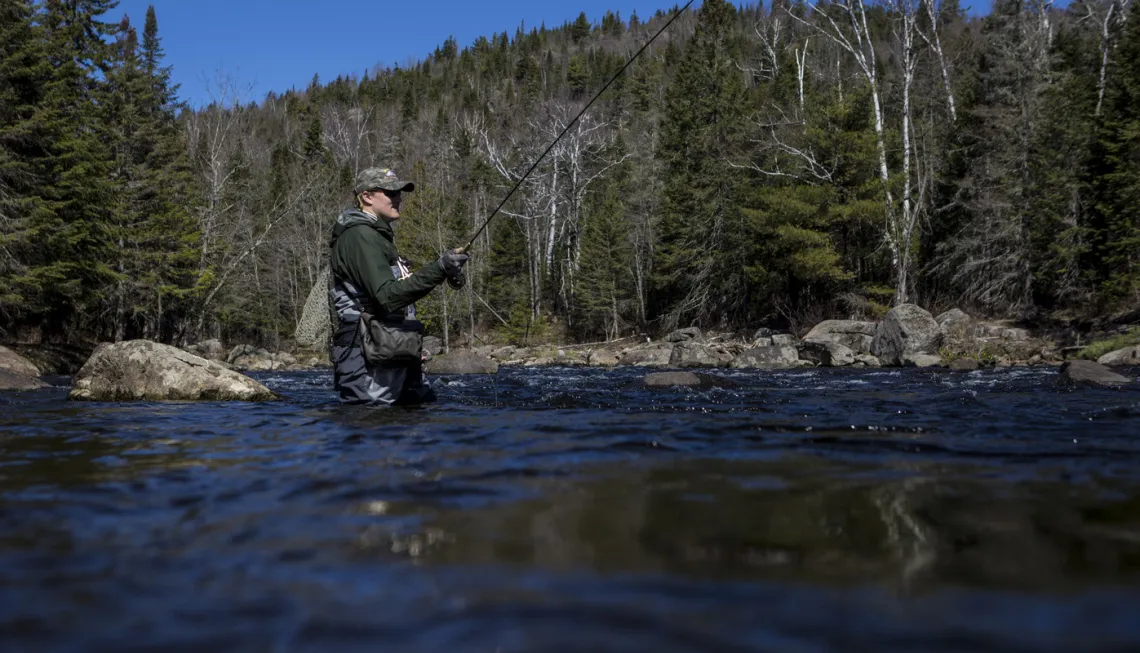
(766, 358)
(825, 353)
(957, 329)
(783, 340)
(762, 342)
(10, 380)
(211, 349)
(852, 334)
(685, 335)
(868, 360)
(433, 345)
(1081, 372)
(1121, 357)
(686, 379)
(602, 358)
(461, 362)
(140, 370)
(694, 354)
(906, 329)
(509, 352)
(13, 362)
(762, 332)
(964, 364)
(656, 355)
(922, 360)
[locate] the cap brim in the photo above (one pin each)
(407, 186)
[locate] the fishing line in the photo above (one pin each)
(571, 124)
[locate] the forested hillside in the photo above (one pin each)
(765, 165)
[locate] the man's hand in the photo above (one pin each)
(453, 262)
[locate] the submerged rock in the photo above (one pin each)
(461, 362)
(1121, 357)
(906, 329)
(141, 370)
(686, 379)
(10, 380)
(1081, 372)
(15, 363)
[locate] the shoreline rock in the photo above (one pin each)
(141, 370)
(1082, 372)
(14, 381)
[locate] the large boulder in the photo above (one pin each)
(767, 358)
(826, 353)
(13, 362)
(852, 334)
(906, 329)
(1081, 372)
(694, 354)
(686, 379)
(1121, 357)
(461, 362)
(10, 380)
(140, 370)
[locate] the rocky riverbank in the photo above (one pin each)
(907, 336)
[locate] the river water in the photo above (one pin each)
(561, 509)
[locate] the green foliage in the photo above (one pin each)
(746, 194)
(1101, 347)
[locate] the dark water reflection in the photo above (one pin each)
(570, 510)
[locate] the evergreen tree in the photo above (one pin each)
(1114, 226)
(23, 74)
(605, 287)
(71, 216)
(700, 272)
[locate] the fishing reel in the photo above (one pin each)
(458, 281)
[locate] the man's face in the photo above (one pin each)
(383, 203)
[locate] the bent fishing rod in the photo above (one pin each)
(465, 248)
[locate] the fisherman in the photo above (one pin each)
(377, 341)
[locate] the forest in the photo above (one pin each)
(756, 166)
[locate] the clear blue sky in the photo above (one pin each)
(275, 45)
(280, 44)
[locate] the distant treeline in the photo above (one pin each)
(758, 166)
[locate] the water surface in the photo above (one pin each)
(566, 509)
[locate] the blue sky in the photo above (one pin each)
(275, 45)
(266, 45)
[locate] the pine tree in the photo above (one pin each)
(605, 287)
(23, 73)
(72, 214)
(1114, 225)
(700, 273)
(156, 235)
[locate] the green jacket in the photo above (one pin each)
(364, 252)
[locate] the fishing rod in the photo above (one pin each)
(463, 250)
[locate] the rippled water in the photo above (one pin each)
(572, 510)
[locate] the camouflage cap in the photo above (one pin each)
(383, 178)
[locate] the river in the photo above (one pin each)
(558, 509)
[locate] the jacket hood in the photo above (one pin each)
(355, 217)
